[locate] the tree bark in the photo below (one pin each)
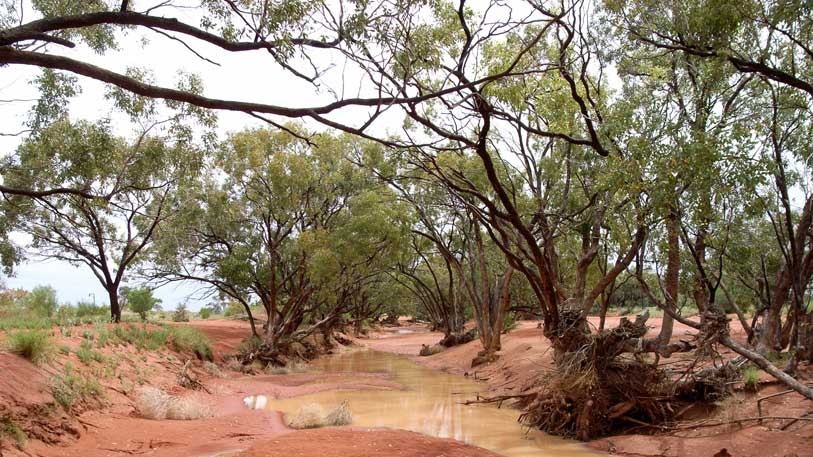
(672, 279)
(115, 307)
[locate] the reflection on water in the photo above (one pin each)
(432, 404)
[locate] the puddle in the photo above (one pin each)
(432, 404)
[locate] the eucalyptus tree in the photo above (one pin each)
(687, 130)
(767, 43)
(108, 235)
(290, 223)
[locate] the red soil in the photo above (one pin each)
(526, 356)
(116, 430)
(357, 442)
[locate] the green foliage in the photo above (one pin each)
(180, 314)
(205, 313)
(509, 322)
(142, 336)
(10, 430)
(141, 301)
(86, 309)
(86, 354)
(41, 301)
(70, 388)
(184, 338)
(750, 378)
(34, 345)
(234, 308)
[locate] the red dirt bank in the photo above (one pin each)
(525, 356)
(116, 430)
(234, 430)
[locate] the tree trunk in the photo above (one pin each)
(805, 349)
(115, 307)
(672, 280)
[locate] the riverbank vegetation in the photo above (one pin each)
(551, 160)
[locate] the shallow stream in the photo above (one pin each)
(431, 404)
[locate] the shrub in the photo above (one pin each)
(154, 403)
(212, 369)
(87, 355)
(69, 388)
(309, 415)
(103, 335)
(205, 313)
(41, 301)
(34, 345)
(234, 308)
(340, 416)
(180, 314)
(431, 350)
(509, 322)
(141, 301)
(750, 378)
(87, 309)
(10, 430)
(184, 338)
(141, 337)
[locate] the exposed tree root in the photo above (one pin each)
(455, 339)
(602, 382)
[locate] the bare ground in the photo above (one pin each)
(525, 356)
(115, 430)
(113, 427)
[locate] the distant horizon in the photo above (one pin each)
(75, 284)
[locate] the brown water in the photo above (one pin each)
(432, 404)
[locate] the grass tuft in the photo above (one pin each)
(86, 354)
(10, 430)
(70, 388)
(311, 415)
(154, 403)
(185, 338)
(34, 345)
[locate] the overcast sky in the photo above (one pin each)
(250, 76)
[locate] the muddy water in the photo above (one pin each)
(432, 404)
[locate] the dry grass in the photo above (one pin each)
(730, 409)
(312, 415)
(309, 415)
(291, 367)
(431, 350)
(154, 403)
(212, 369)
(340, 416)
(233, 364)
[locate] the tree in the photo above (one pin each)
(141, 301)
(295, 225)
(41, 301)
(107, 235)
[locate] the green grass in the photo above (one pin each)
(141, 336)
(28, 321)
(10, 430)
(102, 335)
(34, 345)
(152, 338)
(87, 355)
(750, 378)
(69, 388)
(184, 338)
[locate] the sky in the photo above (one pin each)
(250, 76)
